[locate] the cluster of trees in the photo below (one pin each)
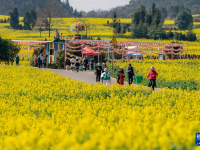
(4, 20)
(147, 24)
(118, 27)
(29, 20)
(189, 36)
(8, 50)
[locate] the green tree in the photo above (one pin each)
(33, 17)
(8, 50)
(118, 29)
(27, 21)
(60, 59)
(14, 18)
(184, 20)
(115, 23)
(191, 36)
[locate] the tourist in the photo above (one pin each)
(152, 74)
(103, 67)
(91, 64)
(85, 63)
(73, 61)
(17, 60)
(130, 73)
(77, 65)
(121, 70)
(105, 77)
(98, 72)
(121, 77)
(45, 61)
(40, 59)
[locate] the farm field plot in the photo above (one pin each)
(99, 29)
(62, 113)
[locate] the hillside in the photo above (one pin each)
(25, 5)
(126, 11)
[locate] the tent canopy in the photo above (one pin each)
(89, 52)
(133, 51)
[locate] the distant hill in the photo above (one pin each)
(126, 11)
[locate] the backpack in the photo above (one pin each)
(38, 58)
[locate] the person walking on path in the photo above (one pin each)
(72, 61)
(130, 73)
(40, 60)
(45, 61)
(91, 64)
(152, 74)
(98, 72)
(85, 63)
(121, 76)
(77, 65)
(103, 67)
(17, 60)
(121, 70)
(105, 77)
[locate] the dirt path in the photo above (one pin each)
(86, 76)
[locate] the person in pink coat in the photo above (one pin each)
(152, 74)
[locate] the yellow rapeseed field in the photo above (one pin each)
(172, 74)
(45, 111)
(99, 29)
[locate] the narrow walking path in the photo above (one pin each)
(86, 76)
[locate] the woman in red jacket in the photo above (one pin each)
(121, 76)
(152, 74)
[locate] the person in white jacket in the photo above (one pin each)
(105, 77)
(73, 61)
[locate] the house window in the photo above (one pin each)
(52, 51)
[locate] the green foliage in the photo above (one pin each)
(8, 50)
(60, 59)
(147, 24)
(174, 10)
(184, 20)
(33, 17)
(14, 18)
(27, 21)
(40, 50)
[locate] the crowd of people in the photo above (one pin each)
(103, 76)
(76, 63)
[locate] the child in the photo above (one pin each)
(105, 77)
(152, 74)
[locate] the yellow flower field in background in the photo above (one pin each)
(42, 110)
(99, 29)
(172, 74)
(169, 22)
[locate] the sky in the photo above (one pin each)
(88, 5)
